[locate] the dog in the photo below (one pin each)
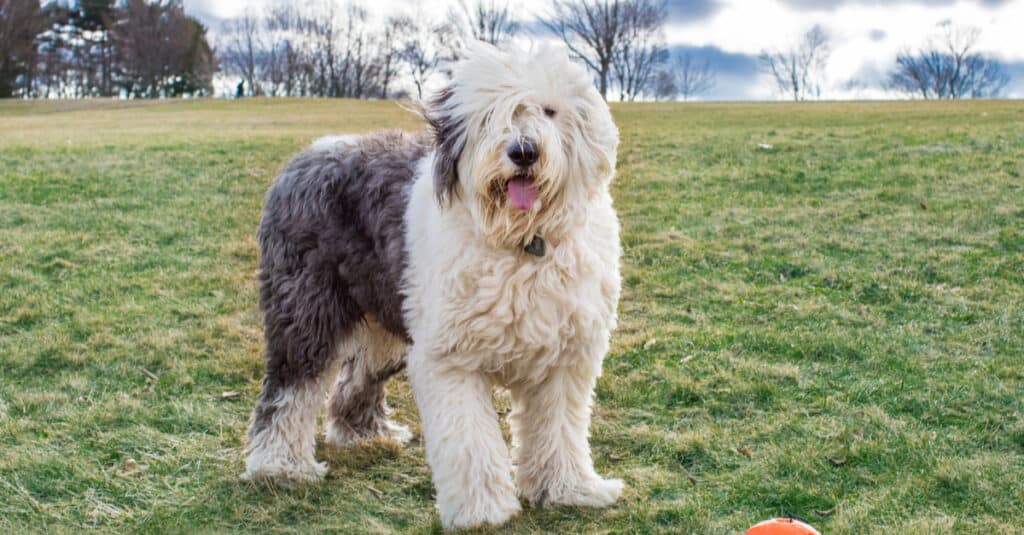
(481, 252)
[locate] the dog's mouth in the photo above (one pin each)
(522, 192)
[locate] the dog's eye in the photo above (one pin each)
(550, 112)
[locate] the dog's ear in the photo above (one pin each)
(449, 140)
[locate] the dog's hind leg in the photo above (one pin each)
(358, 408)
(307, 313)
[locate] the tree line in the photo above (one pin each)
(318, 50)
(323, 48)
(295, 51)
(947, 66)
(103, 48)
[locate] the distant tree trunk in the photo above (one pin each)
(948, 68)
(423, 50)
(684, 77)
(591, 30)
(612, 37)
(240, 48)
(800, 69)
(484, 20)
(390, 52)
(21, 21)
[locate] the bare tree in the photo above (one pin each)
(948, 68)
(484, 20)
(425, 48)
(664, 85)
(356, 62)
(604, 34)
(692, 77)
(684, 77)
(799, 70)
(315, 49)
(277, 61)
(322, 29)
(591, 30)
(640, 50)
(389, 51)
(240, 49)
(283, 59)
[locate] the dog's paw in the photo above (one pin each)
(399, 433)
(286, 474)
(343, 436)
(595, 492)
(493, 511)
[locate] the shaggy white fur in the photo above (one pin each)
(482, 311)
(369, 349)
(283, 451)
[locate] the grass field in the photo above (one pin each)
(832, 327)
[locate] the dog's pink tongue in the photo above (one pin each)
(522, 193)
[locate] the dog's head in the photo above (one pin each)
(523, 139)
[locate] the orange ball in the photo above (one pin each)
(782, 526)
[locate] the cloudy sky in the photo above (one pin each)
(865, 34)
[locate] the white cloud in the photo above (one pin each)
(865, 36)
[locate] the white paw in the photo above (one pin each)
(342, 436)
(398, 433)
(285, 473)
(494, 511)
(590, 493)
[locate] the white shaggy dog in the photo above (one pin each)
(485, 253)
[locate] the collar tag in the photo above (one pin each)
(535, 247)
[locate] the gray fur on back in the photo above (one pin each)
(332, 248)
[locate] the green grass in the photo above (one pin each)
(832, 327)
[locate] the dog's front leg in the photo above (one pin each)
(550, 428)
(465, 448)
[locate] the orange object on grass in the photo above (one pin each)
(782, 526)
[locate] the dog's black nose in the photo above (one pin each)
(522, 153)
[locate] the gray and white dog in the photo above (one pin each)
(482, 253)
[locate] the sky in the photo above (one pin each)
(865, 35)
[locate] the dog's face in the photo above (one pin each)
(524, 140)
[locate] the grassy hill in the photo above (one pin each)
(822, 315)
